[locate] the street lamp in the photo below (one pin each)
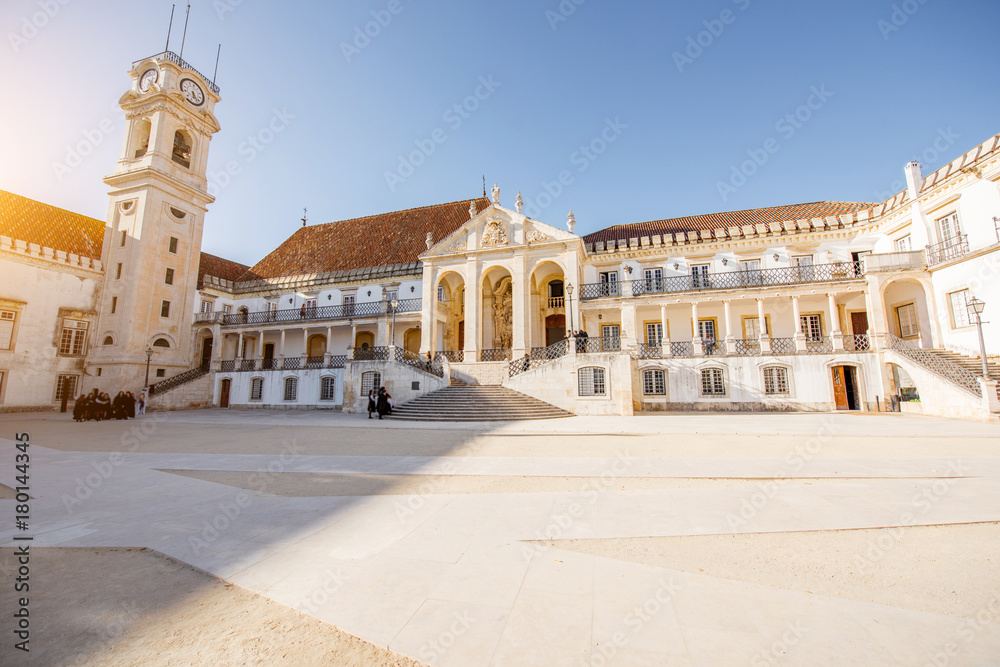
(977, 306)
(149, 355)
(569, 305)
(395, 304)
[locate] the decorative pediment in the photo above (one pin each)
(534, 235)
(495, 232)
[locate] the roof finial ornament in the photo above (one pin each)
(496, 193)
(473, 211)
(429, 240)
(305, 216)
(570, 221)
(518, 203)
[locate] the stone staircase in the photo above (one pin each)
(465, 403)
(971, 364)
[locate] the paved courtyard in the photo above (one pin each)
(796, 539)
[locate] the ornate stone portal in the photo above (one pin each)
(503, 326)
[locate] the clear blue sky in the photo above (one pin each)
(896, 80)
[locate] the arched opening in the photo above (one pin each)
(161, 342)
(141, 140)
(411, 340)
(497, 324)
(317, 345)
(902, 388)
(450, 312)
(906, 313)
(108, 340)
(364, 340)
(548, 321)
(182, 148)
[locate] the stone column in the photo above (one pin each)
(281, 350)
(519, 311)
(833, 317)
(428, 311)
(473, 310)
(877, 326)
(329, 346)
(765, 338)
(629, 333)
(305, 346)
(665, 341)
(730, 338)
(800, 336)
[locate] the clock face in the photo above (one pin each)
(148, 77)
(192, 92)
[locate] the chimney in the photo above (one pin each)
(914, 180)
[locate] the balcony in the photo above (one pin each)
(323, 313)
(791, 275)
(557, 302)
(208, 318)
(947, 250)
(890, 262)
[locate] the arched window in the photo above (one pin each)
(327, 388)
(161, 342)
(591, 381)
(291, 389)
(775, 381)
(713, 382)
(654, 382)
(256, 389)
(142, 129)
(370, 380)
(182, 149)
(108, 340)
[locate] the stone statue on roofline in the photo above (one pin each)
(496, 193)
(473, 211)
(519, 202)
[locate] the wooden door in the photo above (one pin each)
(840, 388)
(224, 394)
(206, 352)
(461, 335)
(268, 356)
(859, 325)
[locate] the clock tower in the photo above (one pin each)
(152, 240)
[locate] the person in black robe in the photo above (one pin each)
(79, 408)
(382, 404)
(102, 407)
(130, 405)
(372, 403)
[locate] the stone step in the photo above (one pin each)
(476, 403)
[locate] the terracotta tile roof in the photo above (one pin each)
(377, 240)
(220, 268)
(751, 216)
(34, 222)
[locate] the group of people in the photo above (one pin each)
(99, 405)
(380, 402)
(581, 339)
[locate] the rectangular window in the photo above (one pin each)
(751, 328)
(228, 309)
(165, 309)
(172, 247)
(591, 382)
(65, 384)
(169, 278)
(654, 334)
(310, 305)
(326, 388)
(609, 284)
(812, 327)
(775, 380)
(750, 272)
(124, 237)
(207, 306)
(291, 388)
(114, 305)
(654, 383)
(699, 276)
(74, 337)
(7, 319)
(804, 267)
(902, 244)
(907, 316)
(713, 382)
(706, 330)
(391, 294)
(441, 293)
(370, 381)
(256, 389)
(348, 304)
(654, 280)
(959, 302)
(118, 273)
(161, 372)
(949, 229)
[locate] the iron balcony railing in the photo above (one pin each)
(453, 356)
(948, 370)
(747, 347)
(287, 364)
(680, 348)
(819, 345)
(306, 313)
(371, 353)
(781, 346)
(596, 344)
(947, 250)
(495, 354)
(177, 60)
(412, 359)
(857, 343)
(790, 275)
(177, 380)
(538, 357)
(713, 347)
(650, 351)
